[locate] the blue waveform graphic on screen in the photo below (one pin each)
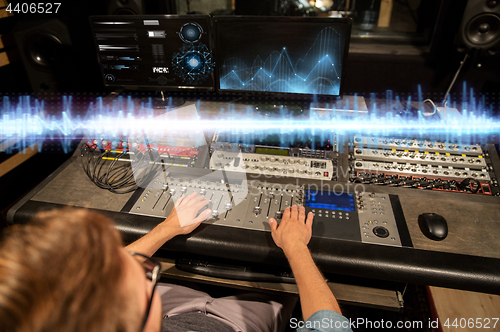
(317, 72)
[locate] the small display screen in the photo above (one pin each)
(278, 152)
(318, 164)
(329, 200)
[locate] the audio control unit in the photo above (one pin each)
(272, 165)
(420, 163)
(370, 218)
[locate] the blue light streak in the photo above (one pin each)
(26, 122)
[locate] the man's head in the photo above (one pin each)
(66, 270)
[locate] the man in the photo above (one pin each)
(67, 271)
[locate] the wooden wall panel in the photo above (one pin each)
(4, 59)
(384, 18)
(4, 13)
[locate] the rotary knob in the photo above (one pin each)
(280, 160)
(264, 158)
(381, 231)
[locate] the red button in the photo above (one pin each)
(325, 174)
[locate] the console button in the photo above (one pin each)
(381, 231)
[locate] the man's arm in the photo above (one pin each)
(292, 235)
(182, 220)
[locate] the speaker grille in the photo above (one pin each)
(43, 49)
(480, 26)
(483, 30)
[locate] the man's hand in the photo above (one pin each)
(292, 235)
(183, 219)
(292, 231)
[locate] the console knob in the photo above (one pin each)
(381, 231)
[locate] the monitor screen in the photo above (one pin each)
(329, 200)
(159, 52)
(281, 55)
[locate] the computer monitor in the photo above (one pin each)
(281, 56)
(155, 52)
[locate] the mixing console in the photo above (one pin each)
(363, 217)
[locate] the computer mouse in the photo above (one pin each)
(433, 226)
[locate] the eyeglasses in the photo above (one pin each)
(152, 269)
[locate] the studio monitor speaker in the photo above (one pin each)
(44, 47)
(480, 26)
(125, 7)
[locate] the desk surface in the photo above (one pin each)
(469, 258)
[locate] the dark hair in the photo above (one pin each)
(62, 272)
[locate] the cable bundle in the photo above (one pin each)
(103, 169)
